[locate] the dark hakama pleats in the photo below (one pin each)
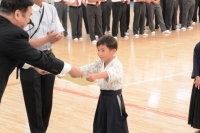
(109, 118)
(194, 111)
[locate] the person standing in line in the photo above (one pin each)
(36, 85)
(119, 15)
(187, 14)
(171, 9)
(110, 116)
(61, 8)
(104, 10)
(155, 8)
(75, 16)
(109, 7)
(85, 17)
(139, 17)
(127, 16)
(94, 16)
(197, 7)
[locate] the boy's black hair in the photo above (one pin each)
(109, 41)
(10, 6)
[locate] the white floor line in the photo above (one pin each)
(157, 78)
(139, 81)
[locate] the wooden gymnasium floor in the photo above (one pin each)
(156, 86)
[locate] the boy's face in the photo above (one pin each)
(105, 54)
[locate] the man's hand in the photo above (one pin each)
(197, 82)
(58, 38)
(75, 72)
(91, 77)
(42, 72)
(52, 37)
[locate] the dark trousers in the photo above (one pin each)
(85, 18)
(38, 94)
(170, 19)
(197, 6)
(147, 14)
(109, 7)
(104, 6)
(155, 9)
(75, 16)
(119, 15)
(139, 17)
(127, 16)
(62, 14)
(188, 11)
(180, 2)
(162, 4)
(94, 16)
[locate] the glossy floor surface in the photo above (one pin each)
(156, 86)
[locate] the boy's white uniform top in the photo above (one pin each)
(114, 70)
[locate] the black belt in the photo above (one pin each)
(47, 51)
(111, 92)
(75, 6)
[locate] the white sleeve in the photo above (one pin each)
(115, 72)
(90, 69)
(67, 67)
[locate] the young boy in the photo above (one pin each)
(110, 116)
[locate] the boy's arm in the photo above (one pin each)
(113, 73)
(90, 69)
(93, 77)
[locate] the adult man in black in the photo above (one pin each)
(14, 46)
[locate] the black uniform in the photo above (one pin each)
(14, 47)
(109, 118)
(194, 111)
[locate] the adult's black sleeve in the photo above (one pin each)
(19, 48)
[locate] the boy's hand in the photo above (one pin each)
(91, 77)
(197, 82)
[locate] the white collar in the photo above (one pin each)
(37, 8)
